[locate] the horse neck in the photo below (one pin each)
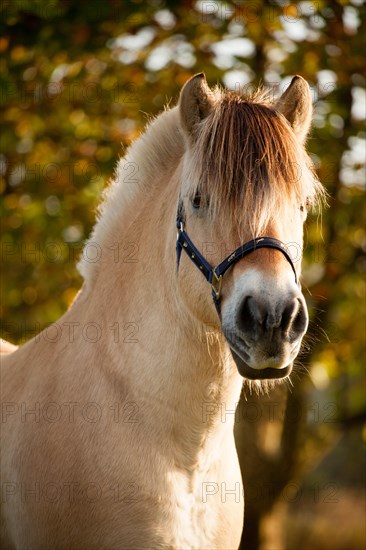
(184, 382)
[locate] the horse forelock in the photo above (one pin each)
(248, 162)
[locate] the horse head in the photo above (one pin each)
(245, 176)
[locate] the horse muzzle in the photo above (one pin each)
(265, 335)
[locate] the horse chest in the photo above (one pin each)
(193, 524)
(202, 515)
(193, 521)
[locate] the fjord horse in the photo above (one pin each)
(117, 424)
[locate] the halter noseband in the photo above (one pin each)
(214, 275)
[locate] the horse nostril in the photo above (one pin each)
(299, 322)
(288, 314)
(251, 314)
(294, 319)
(258, 317)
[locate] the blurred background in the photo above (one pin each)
(78, 83)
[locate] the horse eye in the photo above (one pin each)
(197, 201)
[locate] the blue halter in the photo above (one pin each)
(214, 275)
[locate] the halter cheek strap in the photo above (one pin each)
(214, 275)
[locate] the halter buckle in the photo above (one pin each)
(216, 284)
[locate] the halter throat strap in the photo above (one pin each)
(214, 275)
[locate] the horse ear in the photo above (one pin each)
(195, 102)
(296, 105)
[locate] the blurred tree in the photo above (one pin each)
(74, 78)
